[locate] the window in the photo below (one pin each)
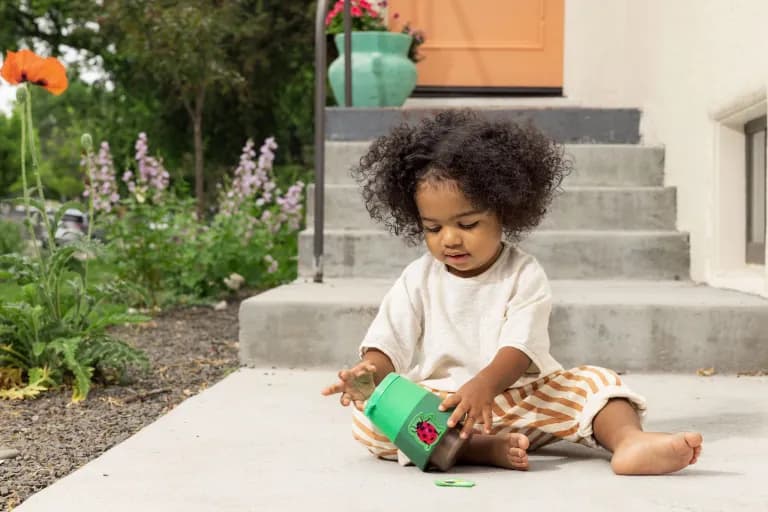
(754, 132)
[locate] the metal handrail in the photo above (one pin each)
(320, 93)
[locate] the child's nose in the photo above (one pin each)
(451, 237)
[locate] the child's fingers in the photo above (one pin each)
(457, 415)
(333, 389)
(450, 402)
(360, 405)
(487, 419)
(469, 425)
(345, 399)
(366, 366)
(364, 369)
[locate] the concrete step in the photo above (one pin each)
(564, 254)
(564, 124)
(595, 165)
(628, 326)
(650, 208)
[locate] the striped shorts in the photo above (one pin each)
(560, 406)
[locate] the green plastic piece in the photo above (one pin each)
(364, 386)
(392, 402)
(454, 482)
(398, 407)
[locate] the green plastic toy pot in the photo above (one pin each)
(408, 415)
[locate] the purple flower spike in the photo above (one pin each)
(101, 181)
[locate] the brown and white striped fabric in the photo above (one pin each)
(558, 407)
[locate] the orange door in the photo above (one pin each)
(486, 43)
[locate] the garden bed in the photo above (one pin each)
(189, 349)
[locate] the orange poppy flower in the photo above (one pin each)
(26, 66)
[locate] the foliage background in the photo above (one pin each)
(266, 59)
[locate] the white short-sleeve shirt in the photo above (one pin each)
(441, 330)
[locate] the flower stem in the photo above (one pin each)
(27, 130)
(36, 169)
(24, 167)
(25, 187)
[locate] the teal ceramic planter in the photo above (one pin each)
(382, 73)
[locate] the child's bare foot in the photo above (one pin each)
(656, 453)
(503, 450)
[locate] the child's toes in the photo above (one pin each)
(518, 457)
(519, 462)
(518, 440)
(517, 452)
(696, 453)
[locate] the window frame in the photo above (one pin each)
(755, 252)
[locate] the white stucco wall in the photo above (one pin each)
(685, 63)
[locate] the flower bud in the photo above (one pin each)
(87, 142)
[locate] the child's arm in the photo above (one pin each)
(475, 398)
(381, 362)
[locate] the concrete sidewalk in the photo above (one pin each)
(265, 440)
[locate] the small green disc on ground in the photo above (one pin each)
(454, 482)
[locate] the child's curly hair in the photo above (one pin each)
(501, 167)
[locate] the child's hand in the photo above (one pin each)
(355, 384)
(475, 399)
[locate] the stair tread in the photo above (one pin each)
(571, 124)
(370, 291)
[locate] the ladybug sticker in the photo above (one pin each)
(424, 429)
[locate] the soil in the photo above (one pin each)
(189, 349)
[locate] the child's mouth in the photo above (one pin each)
(458, 258)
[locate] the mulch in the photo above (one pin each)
(189, 349)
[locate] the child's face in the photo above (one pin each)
(466, 240)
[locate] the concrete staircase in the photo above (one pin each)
(620, 270)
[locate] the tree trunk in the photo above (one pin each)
(197, 123)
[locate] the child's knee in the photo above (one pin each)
(365, 433)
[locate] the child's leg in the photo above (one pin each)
(371, 437)
(558, 407)
(617, 428)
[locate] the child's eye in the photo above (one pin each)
(468, 226)
(432, 230)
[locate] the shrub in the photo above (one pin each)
(155, 239)
(10, 237)
(57, 331)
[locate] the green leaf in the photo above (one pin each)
(12, 357)
(29, 292)
(38, 349)
(68, 348)
(40, 376)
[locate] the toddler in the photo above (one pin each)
(469, 319)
